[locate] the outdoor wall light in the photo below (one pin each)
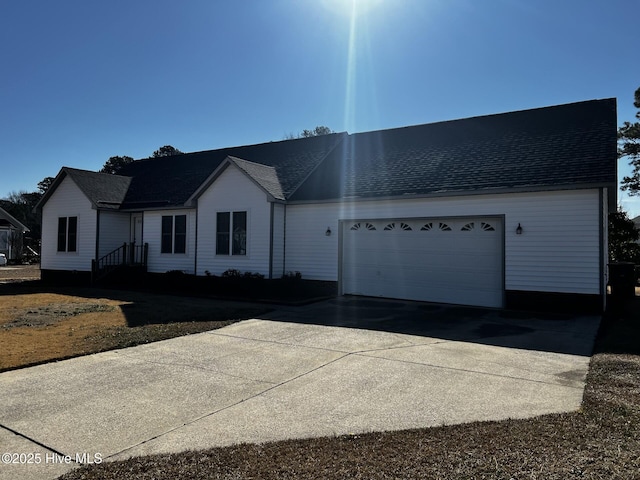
(328, 232)
(519, 229)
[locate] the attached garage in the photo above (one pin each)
(446, 260)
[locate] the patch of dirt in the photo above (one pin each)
(50, 314)
(41, 327)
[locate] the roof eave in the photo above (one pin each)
(13, 221)
(54, 185)
(460, 193)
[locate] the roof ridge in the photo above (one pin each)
(486, 116)
(250, 145)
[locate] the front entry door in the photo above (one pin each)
(136, 228)
(136, 238)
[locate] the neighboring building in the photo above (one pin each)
(504, 210)
(11, 234)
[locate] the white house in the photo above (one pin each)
(504, 210)
(11, 230)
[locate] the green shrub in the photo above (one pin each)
(253, 276)
(231, 273)
(292, 276)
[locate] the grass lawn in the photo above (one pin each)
(600, 441)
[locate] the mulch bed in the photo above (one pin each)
(601, 441)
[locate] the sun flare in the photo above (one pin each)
(351, 8)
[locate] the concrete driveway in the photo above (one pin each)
(297, 372)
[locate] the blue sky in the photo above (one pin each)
(81, 81)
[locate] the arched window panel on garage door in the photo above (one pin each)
(487, 227)
(363, 226)
(398, 226)
(427, 226)
(468, 227)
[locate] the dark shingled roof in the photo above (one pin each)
(565, 145)
(170, 181)
(263, 175)
(105, 191)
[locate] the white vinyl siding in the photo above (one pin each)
(68, 201)
(308, 249)
(114, 231)
(233, 191)
(163, 262)
(558, 251)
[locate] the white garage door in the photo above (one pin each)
(448, 260)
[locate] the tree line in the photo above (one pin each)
(623, 233)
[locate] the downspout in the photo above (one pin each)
(195, 259)
(603, 229)
(94, 262)
(271, 241)
(97, 255)
(284, 242)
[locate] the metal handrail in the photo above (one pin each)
(137, 256)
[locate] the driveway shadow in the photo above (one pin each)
(550, 332)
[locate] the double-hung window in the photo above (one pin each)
(67, 234)
(231, 233)
(174, 234)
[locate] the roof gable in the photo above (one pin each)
(172, 181)
(264, 176)
(103, 190)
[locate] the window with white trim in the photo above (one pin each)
(231, 233)
(174, 234)
(67, 234)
